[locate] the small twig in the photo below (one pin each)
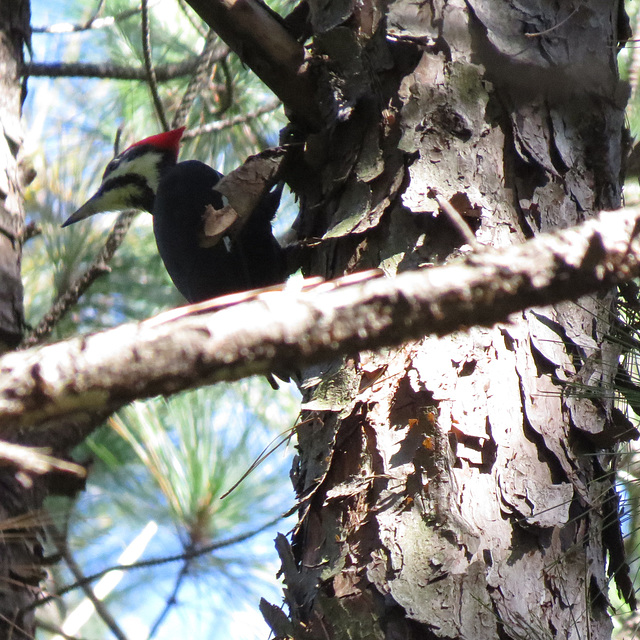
(228, 89)
(32, 230)
(220, 125)
(97, 12)
(101, 609)
(98, 267)
(151, 74)
(172, 599)
(153, 562)
(277, 442)
(14, 626)
(555, 26)
(92, 23)
(458, 221)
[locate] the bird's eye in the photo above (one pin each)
(111, 167)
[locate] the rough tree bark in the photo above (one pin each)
(455, 488)
(54, 395)
(20, 551)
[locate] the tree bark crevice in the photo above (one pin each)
(483, 519)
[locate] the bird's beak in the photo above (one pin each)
(89, 208)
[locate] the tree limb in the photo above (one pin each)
(76, 383)
(260, 39)
(113, 71)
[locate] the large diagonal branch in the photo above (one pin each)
(65, 388)
(263, 43)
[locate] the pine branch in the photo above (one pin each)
(220, 125)
(261, 40)
(95, 22)
(113, 71)
(79, 381)
(100, 607)
(148, 65)
(172, 600)
(189, 554)
(200, 77)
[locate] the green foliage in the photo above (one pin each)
(629, 61)
(196, 446)
(167, 460)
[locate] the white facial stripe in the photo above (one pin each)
(145, 165)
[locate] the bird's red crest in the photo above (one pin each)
(167, 141)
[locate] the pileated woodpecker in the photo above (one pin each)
(177, 194)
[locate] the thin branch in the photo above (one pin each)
(227, 94)
(274, 445)
(555, 26)
(148, 64)
(31, 230)
(98, 267)
(98, 10)
(220, 125)
(198, 25)
(154, 562)
(200, 77)
(101, 609)
(93, 23)
(83, 379)
(172, 599)
(457, 220)
(111, 71)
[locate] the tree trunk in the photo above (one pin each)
(457, 487)
(20, 551)
(14, 26)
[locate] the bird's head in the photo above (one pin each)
(131, 179)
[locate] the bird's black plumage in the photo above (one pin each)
(251, 259)
(147, 176)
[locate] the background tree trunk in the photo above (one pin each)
(20, 551)
(14, 26)
(454, 487)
